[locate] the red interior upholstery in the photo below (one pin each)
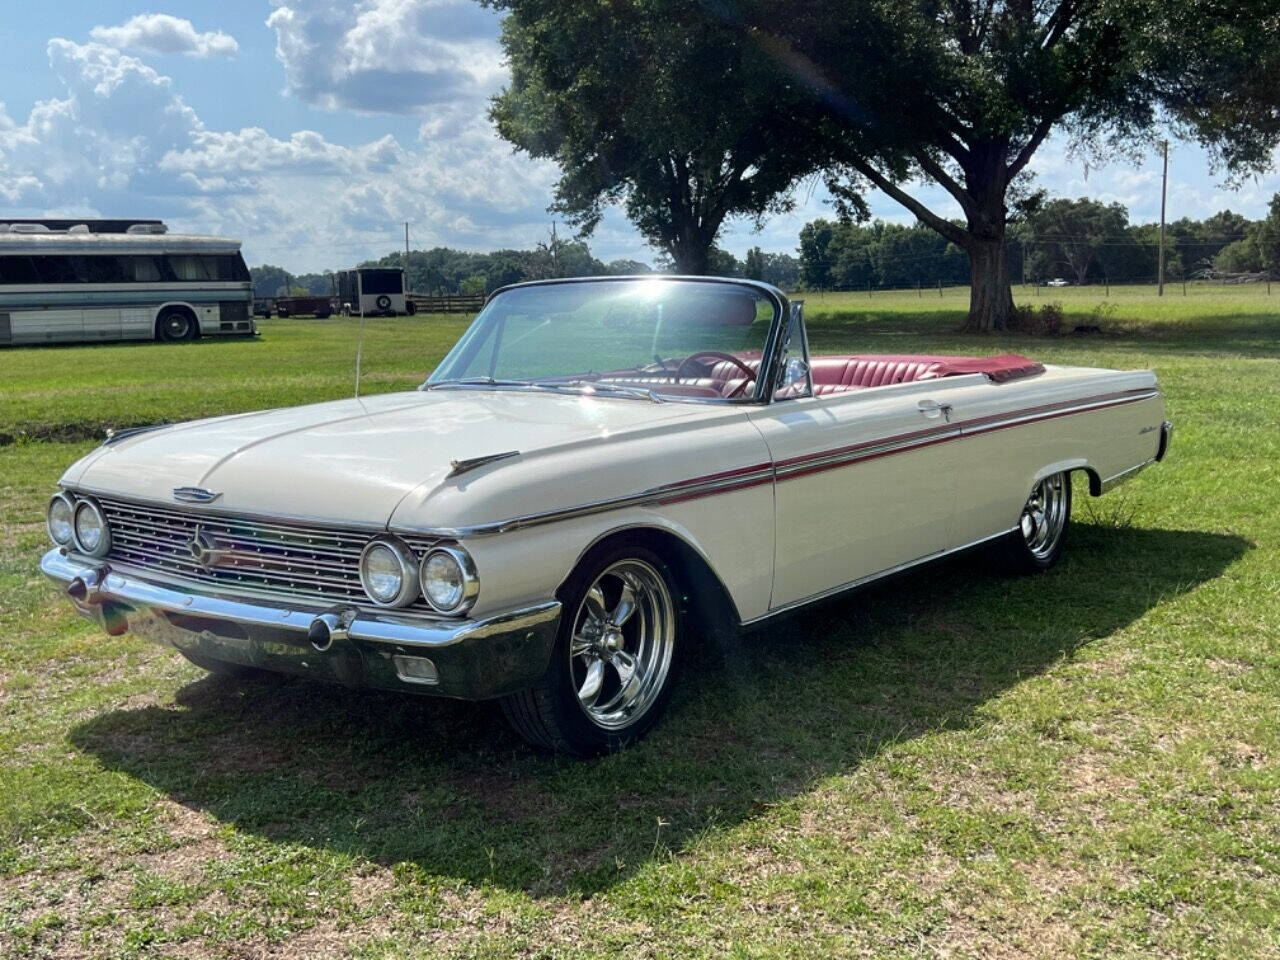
(839, 374)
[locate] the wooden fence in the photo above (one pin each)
(446, 304)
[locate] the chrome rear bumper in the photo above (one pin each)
(470, 659)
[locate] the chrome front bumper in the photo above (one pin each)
(470, 659)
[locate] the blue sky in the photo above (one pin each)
(311, 129)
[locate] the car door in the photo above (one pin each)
(865, 482)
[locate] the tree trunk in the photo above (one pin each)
(692, 258)
(990, 296)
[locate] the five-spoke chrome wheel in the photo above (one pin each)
(622, 643)
(1036, 543)
(616, 654)
(1044, 518)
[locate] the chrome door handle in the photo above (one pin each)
(931, 409)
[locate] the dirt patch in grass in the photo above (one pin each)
(184, 863)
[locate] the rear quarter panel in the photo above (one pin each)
(1001, 461)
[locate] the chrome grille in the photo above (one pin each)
(316, 563)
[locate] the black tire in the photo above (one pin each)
(323, 314)
(175, 326)
(410, 307)
(550, 714)
(1023, 551)
(384, 303)
(223, 669)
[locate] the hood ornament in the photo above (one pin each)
(194, 495)
(465, 466)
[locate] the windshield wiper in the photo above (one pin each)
(559, 386)
(477, 382)
(595, 386)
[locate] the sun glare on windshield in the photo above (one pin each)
(677, 339)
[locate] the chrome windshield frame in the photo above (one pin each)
(763, 393)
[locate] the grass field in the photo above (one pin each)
(954, 764)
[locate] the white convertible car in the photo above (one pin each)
(595, 469)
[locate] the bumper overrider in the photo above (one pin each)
(471, 659)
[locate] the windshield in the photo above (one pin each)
(647, 337)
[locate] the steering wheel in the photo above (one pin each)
(717, 355)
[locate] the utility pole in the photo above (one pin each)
(555, 251)
(406, 244)
(1164, 191)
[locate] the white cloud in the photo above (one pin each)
(120, 140)
(389, 56)
(162, 33)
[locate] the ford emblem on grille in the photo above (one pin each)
(194, 495)
(205, 550)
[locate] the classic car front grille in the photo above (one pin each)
(317, 563)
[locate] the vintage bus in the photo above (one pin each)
(65, 285)
(373, 290)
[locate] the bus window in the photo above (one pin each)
(99, 269)
(17, 270)
(225, 267)
(188, 267)
(142, 269)
(57, 269)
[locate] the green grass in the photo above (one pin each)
(1078, 764)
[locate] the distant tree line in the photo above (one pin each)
(1083, 241)
(443, 270)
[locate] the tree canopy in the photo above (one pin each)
(964, 92)
(658, 106)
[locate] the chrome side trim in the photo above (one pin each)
(872, 577)
(867, 452)
(420, 632)
(668, 493)
(1063, 411)
(1110, 483)
(699, 487)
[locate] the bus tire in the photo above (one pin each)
(384, 303)
(175, 325)
(410, 307)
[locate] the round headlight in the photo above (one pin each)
(60, 519)
(387, 572)
(92, 535)
(449, 580)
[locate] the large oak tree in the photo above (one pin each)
(964, 92)
(658, 105)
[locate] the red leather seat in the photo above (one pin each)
(856, 372)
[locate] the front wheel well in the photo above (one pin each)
(706, 601)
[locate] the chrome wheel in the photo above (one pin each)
(622, 643)
(1044, 518)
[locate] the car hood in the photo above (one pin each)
(353, 461)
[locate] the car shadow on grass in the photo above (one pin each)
(757, 719)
